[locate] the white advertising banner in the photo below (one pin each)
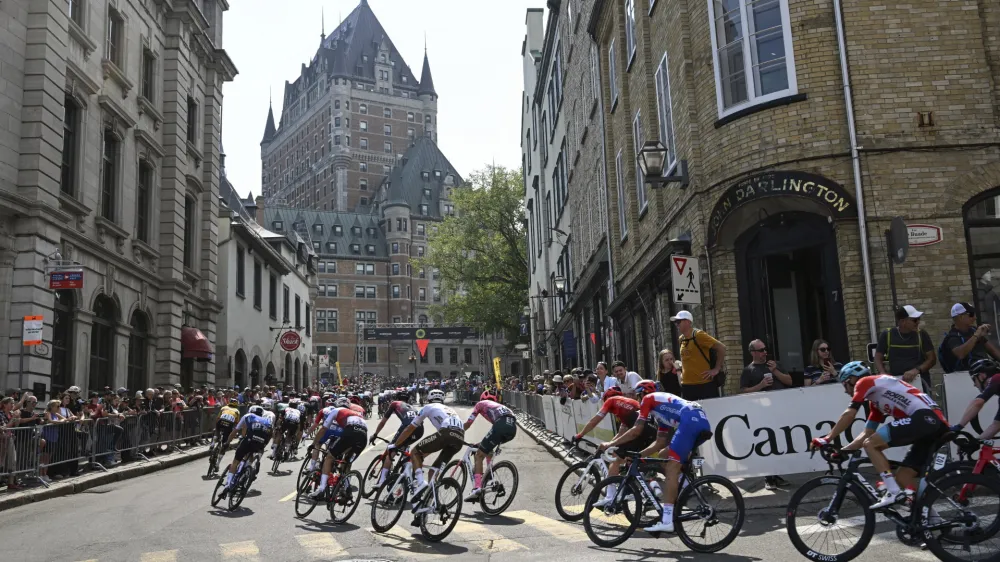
(958, 392)
(548, 409)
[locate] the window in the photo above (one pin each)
(336, 104)
(363, 184)
(665, 114)
(362, 166)
(370, 292)
(468, 355)
(316, 246)
(326, 321)
(410, 133)
(102, 343)
(612, 75)
(148, 74)
(420, 225)
(336, 121)
(395, 269)
(116, 38)
(372, 354)
(453, 356)
(137, 362)
(422, 320)
(422, 274)
(71, 125)
(595, 82)
(298, 314)
(436, 296)
(355, 231)
(278, 225)
(387, 169)
(387, 112)
(258, 285)
(387, 147)
(359, 268)
(338, 230)
(318, 228)
(190, 233)
(192, 120)
(630, 31)
(409, 116)
(395, 247)
(421, 294)
(109, 171)
(76, 13)
(641, 189)
(286, 301)
(982, 227)
(272, 298)
(241, 274)
(425, 175)
(438, 355)
(363, 108)
(423, 211)
(308, 320)
(420, 251)
(370, 249)
(143, 200)
(620, 178)
(751, 38)
(331, 248)
(364, 143)
(363, 125)
(395, 291)
(355, 249)
(387, 129)
(369, 269)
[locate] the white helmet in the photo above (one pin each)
(435, 396)
(342, 402)
(257, 410)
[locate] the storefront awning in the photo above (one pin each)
(194, 345)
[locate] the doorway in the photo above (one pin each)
(789, 289)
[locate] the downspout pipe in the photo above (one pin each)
(856, 164)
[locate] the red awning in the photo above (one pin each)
(194, 345)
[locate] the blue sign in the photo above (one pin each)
(569, 345)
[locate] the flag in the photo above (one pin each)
(340, 379)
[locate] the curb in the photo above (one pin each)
(93, 480)
(555, 445)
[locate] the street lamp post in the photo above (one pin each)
(652, 157)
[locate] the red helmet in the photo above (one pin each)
(355, 400)
(487, 396)
(611, 392)
(643, 388)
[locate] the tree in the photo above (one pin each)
(481, 253)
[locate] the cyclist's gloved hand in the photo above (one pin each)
(819, 442)
(372, 440)
(956, 428)
(576, 439)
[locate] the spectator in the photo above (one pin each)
(701, 377)
(51, 434)
(667, 373)
(8, 456)
(604, 381)
(630, 381)
(823, 369)
(966, 343)
(590, 393)
(76, 403)
(907, 348)
(25, 447)
(764, 374)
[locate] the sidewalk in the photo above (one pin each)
(93, 479)
(755, 495)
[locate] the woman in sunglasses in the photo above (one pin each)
(824, 368)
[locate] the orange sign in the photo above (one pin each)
(32, 330)
(422, 347)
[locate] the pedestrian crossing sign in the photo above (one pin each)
(686, 280)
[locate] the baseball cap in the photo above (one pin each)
(682, 315)
(907, 311)
(73, 389)
(961, 308)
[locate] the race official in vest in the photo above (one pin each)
(906, 351)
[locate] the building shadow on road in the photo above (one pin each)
(643, 554)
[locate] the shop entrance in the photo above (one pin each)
(789, 289)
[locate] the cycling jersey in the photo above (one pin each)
(625, 409)
(292, 415)
(441, 416)
(270, 416)
(228, 416)
(280, 407)
(323, 413)
(258, 428)
(666, 409)
(401, 410)
(357, 408)
(343, 417)
(490, 410)
(891, 397)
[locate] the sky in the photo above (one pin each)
(474, 48)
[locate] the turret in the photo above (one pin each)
(269, 128)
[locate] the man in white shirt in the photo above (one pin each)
(605, 382)
(629, 378)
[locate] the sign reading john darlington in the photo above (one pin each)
(823, 190)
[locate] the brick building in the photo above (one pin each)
(110, 166)
(752, 97)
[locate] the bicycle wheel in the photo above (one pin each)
(964, 513)
(304, 505)
(956, 467)
(711, 510)
(239, 491)
(437, 523)
(346, 497)
(457, 471)
(819, 534)
(304, 474)
(574, 488)
(370, 480)
(277, 460)
(499, 491)
(219, 486)
(390, 500)
(613, 524)
(212, 460)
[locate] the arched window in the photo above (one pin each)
(297, 374)
(287, 375)
(982, 231)
(102, 345)
(138, 377)
(62, 341)
(240, 368)
(305, 377)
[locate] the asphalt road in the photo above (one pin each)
(166, 516)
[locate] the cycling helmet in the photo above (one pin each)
(853, 369)
(314, 398)
(435, 396)
(342, 402)
(402, 396)
(355, 399)
(983, 367)
(257, 410)
(487, 396)
(328, 402)
(644, 387)
(611, 392)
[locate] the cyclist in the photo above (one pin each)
(690, 426)
(289, 423)
(354, 403)
(350, 431)
(986, 376)
(917, 421)
(449, 438)
(331, 405)
(627, 412)
(504, 429)
(406, 414)
(257, 431)
(228, 416)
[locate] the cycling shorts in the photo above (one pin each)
(351, 443)
(448, 440)
(331, 434)
(289, 427)
(248, 447)
(504, 429)
(689, 434)
(413, 438)
(644, 440)
(921, 429)
(223, 426)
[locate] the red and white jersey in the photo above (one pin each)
(892, 397)
(343, 417)
(323, 413)
(490, 410)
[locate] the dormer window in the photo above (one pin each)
(425, 176)
(371, 231)
(278, 225)
(331, 247)
(370, 249)
(356, 231)
(423, 209)
(437, 173)
(338, 230)
(355, 248)
(318, 228)
(427, 192)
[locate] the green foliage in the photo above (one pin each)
(482, 253)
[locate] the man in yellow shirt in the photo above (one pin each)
(698, 379)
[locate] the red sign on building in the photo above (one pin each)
(66, 280)
(290, 341)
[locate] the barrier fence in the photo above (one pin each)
(65, 448)
(758, 434)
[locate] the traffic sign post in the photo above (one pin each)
(686, 280)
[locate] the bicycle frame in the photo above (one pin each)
(469, 463)
(987, 456)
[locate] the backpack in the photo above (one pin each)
(949, 363)
(711, 357)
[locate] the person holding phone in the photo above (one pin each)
(823, 368)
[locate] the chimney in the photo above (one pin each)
(260, 211)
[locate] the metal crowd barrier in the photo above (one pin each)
(18, 452)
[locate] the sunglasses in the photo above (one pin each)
(761, 350)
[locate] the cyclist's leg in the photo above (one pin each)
(430, 444)
(921, 430)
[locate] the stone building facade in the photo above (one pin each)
(110, 166)
(772, 210)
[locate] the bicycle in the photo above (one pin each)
(342, 491)
(432, 506)
(927, 520)
(579, 480)
(988, 462)
(237, 491)
(217, 452)
(372, 474)
(282, 453)
(499, 479)
(634, 498)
